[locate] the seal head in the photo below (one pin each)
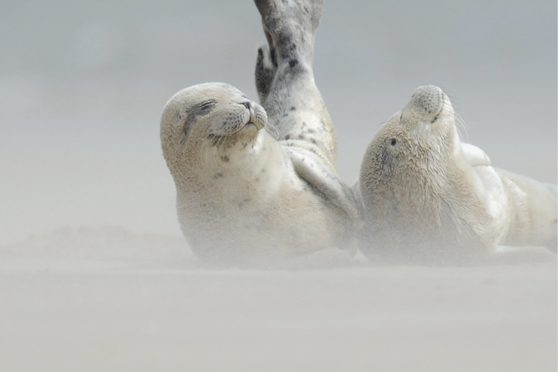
(208, 118)
(413, 181)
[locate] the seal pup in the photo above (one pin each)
(256, 183)
(427, 196)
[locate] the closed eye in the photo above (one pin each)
(207, 105)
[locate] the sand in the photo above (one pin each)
(107, 299)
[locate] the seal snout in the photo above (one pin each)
(428, 100)
(252, 120)
(258, 117)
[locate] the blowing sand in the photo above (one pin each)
(107, 299)
(81, 93)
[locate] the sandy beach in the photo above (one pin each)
(107, 299)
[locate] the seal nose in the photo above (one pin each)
(246, 104)
(428, 99)
(258, 116)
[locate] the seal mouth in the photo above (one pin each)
(255, 119)
(439, 111)
(251, 125)
(251, 128)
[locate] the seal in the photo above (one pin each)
(427, 196)
(258, 182)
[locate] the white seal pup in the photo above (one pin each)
(247, 193)
(429, 197)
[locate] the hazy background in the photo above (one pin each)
(83, 84)
(94, 273)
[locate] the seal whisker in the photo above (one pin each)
(273, 131)
(461, 126)
(217, 149)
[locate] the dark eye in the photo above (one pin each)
(393, 141)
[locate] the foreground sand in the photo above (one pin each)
(108, 300)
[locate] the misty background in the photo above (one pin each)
(94, 272)
(83, 84)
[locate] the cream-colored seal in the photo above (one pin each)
(428, 196)
(257, 183)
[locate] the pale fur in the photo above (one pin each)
(427, 196)
(247, 195)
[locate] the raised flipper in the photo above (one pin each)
(265, 72)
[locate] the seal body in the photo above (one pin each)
(256, 183)
(239, 196)
(427, 196)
